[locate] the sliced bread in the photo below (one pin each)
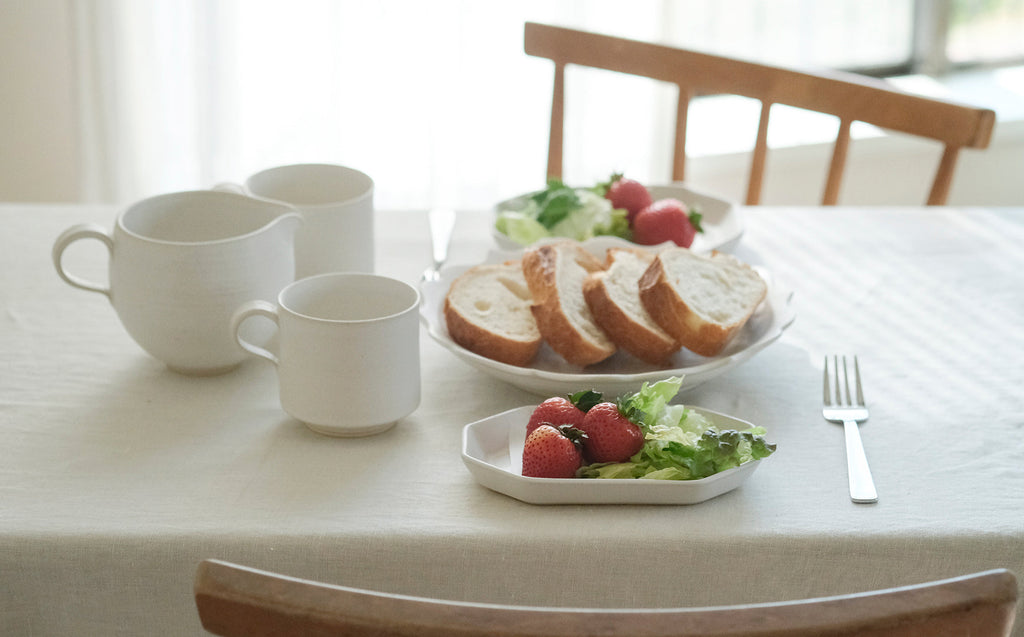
(613, 296)
(701, 301)
(487, 311)
(555, 273)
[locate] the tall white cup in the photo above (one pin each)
(336, 203)
(348, 356)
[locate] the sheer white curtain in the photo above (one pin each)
(435, 100)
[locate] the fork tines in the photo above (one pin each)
(841, 382)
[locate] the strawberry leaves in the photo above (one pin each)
(586, 399)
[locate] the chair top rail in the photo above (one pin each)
(845, 95)
(236, 600)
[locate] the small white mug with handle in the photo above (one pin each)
(348, 357)
(336, 203)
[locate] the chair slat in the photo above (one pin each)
(757, 163)
(943, 177)
(838, 164)
(679, 148)
(556, 142)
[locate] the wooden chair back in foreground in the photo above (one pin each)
(847, 96)
(234, 600)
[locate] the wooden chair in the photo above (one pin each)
(847, 96)
(235, 600)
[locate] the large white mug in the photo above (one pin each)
(348, 356)
(181, 263)
(336, 203)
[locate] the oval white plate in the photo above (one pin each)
(492, 450)
(720, 218)
(549, 374)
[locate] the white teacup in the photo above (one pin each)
(348, 356)
(181, 263)
(337, 205)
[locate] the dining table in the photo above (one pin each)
(118, 476)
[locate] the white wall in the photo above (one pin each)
(38, 140)
(891, 170)
(39, 154)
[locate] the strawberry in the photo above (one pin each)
(562, 411)
(666, 220)
(552, 452)
(610, 435)
(628, 194)
(554, 411)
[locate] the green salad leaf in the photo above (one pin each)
(555, 203)
(520, 227)
(679, 443)
(563, 211)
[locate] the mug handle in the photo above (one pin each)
(69, 236)
(247, 310)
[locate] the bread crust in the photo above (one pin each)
(481, 339)
(540, 268)
(663, 302)
(653, 346)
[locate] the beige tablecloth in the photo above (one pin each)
(118, 476)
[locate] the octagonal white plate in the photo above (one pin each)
(492, 450)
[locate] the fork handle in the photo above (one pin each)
(862, 487)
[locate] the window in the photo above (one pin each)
(985, 31)
(877, 37)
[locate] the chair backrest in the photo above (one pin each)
(847, 96)
(234, 600)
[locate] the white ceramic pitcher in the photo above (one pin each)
(180, 264)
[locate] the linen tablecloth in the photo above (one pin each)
(117, 476)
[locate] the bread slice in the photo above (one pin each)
(613, 296)
(487, 311)
(702, 301)
(555, 273)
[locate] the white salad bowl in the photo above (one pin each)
(721, 220)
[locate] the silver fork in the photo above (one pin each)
(849, 410)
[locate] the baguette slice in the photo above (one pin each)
(555, 273)
(613, 296)
(702, 301)
(487, 311)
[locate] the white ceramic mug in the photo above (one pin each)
(337, 205)
(181, 263)
(348, 356)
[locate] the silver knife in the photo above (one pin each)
(442, 223)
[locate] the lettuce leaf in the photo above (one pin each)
(562, 211)
(679, 443)
(520, 227)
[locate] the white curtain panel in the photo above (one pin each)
(435, 100)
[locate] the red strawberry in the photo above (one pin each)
(555, 411)
(628, 194)
(610, 435)
(552, 452)
(666, 220)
